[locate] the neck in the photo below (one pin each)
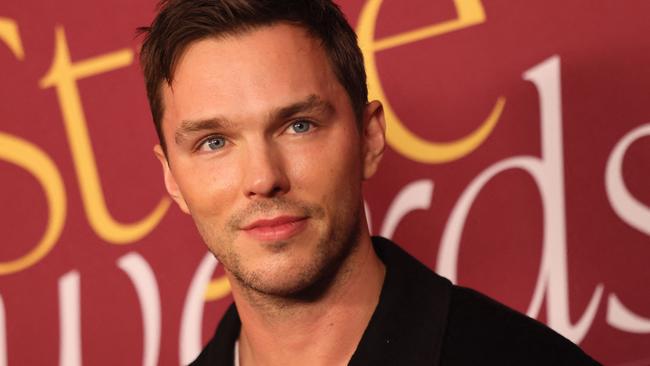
(322, 332)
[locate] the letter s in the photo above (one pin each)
(626, 206)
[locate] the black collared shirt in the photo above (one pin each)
(422, 319)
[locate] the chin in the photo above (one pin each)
(288, 279)
(285, 288)
(304, 277)
(303, 267)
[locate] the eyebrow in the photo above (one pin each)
(312, 104)
(190, 127)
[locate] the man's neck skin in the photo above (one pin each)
(322, 332)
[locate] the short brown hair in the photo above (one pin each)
(181, 22)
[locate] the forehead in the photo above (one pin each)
(248, 74)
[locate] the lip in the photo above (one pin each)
(275, 229)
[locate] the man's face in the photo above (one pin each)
(264, 152)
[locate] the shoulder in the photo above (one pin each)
(461, 325)
(220, 349)
(483, 331)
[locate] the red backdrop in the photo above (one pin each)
(519, 164)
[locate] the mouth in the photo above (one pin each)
(275, 229)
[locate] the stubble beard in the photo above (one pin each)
(311, 281)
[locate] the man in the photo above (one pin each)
(266, 136)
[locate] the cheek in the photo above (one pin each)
(322, 170)
(208, 188)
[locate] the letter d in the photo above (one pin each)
(548, 174)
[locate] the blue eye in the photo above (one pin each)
(213, 143)
(301, 126)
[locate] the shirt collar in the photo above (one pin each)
(406, 328)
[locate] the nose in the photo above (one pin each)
(264, 171)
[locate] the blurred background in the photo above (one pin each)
(518, 165)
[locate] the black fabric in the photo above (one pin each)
(422, 319)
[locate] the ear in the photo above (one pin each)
(374, 138)
(170, 181)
